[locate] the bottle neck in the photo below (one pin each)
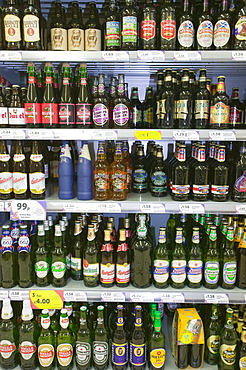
(221, 87)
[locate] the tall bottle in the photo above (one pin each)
(75, 34)
(32, 105)
(129, 26)
(204, 33)
(140, 176)
(118, 175)
(165, 108)
(241, 279)
(229, 262)
(201, 102)
(183, 102)
(46, 343)
(66, 114)
(36, 173)
(83, 345)
(167, 26)
(212, 336)
(107, 265)
(6, 175)
(65, 173)
(93, 30)
(58, 260)
(223, 28)
(32, 26)
(101, 175)
(65, 341)
(156, 98)
(119, 342)
(148, 36)
(158, 176)
(12, 23)
(161, 264)
(138, 349)
(220, 177)
(16, 109)
(58, 29)
(178, 263)
(186, 32)
(148, 109)
(220, 108)
(121, 106)
(83, 108)
(42, 259)
(84, 174)
(194, 262)
(25, 259)
(77, 253)
(200, 176)
(8, 259)
(91, 260)
(239, 35)
(100, 110)
(236, 110)
(100, 342)
(157, 351)
(122, 261)
(112, 39)
(136, 109)
(228, 344)
(211, 261)
(49, 104)
(4, 119)
(180, 176)
(242, 349)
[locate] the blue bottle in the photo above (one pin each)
(65, 173)
(84, 174)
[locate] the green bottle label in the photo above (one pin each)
(76, 266)
(112, 36)
(41, 269)
(230, 272)
(211, 272)
(58, 269)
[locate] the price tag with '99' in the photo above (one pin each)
(28, 210)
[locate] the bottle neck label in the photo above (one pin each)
(31, 28)
(12, 28)
(129, 29)
(16, 116)
(161, 271)
(239, 26)
(222, 33)
(205, 34)
(76, 39)
(119, 354)
(112, 36)
(83, 353)
(123, 273)
(186, 34)
(168, 29)
(46, 354)
(137, 354)
(211, 272)
(58, 39)
(100, 114)
(148, 30)
(64, 353)
(66, 114)
(120, 115)
(49, 114)
(92, 39)
(100, 353)
(219, 113)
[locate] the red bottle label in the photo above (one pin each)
(49, 113)
(83, 114)
(235, 115)
(168, 29)
(66, 114)
(147, 30)
(33, 113)
(32, 79)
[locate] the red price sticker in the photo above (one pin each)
(46, 299)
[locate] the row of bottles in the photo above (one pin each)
(152, 26)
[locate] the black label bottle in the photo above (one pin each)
(220, 108)
(140, 174)
(183, 102)
(165, 108)
(201, 102)
(136, 109)
(181, 176)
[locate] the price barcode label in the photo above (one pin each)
(115, 55)
(18, 295)
(152, 208)
(4, 294)
(152, 55)
(142, 297)
(216, 298)
(105, 208)
(191, 208)
(113, 297)
(238, 55)
(222, 135)
(10, 55)
(187, 55)
(172, 297)
(69, 207)
(102, 134)
(241, 209)
(76, 296)
(46, 299)
(186, 135)
(6, 134)
(40, 134)
(28, 210)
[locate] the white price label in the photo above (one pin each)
(153, 55)
(113, 297)
(216, 298)
(69, 207)
(10, 55)
(28, 210)
(102, 134)
(222, 135)
(115, 55)
(4, 294)
(152, 208)
(172, 297)
(191, 208)
(75, 296)
(6, 134)
(2, 206)
(186, 135)
(241, 209)
(142, 297)
(105, 208)
(13, 134)
(40, 134)
(187, 55)
(18, 295)
(238, 55)
(19, 134)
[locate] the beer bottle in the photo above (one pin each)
(180, 176)
(64, 343)
(220, 177)
(91, 260)
(201, 102)
(122, 261)
(228, 344)
(16, 109)
(65, 173)
(32, 105)
(107, 265)
(178, 263)
(156, 98)
(28, 338)
(165, 108)
(100, 110)
(49, 105)
(128, 159)
(93, 31)
(140, 175)
(6, 177)
(158, 176)
(66, 116)
(83, 107)
(73, 320)
(25, 260)
(136, 109)
(32, 25)
(183, 102)
(220, 109)
(46, 344)
(76, 37)
(8, 337)
(42, 259)
(148, 109)
(119, 342)
(36, 174)
(157, 350)
(118, 175)
(239, 36)
(121, 106)
(242, 349)
(161, 261)
(236, 110)
(229, 262)
(211, 261)
(200, 176)
(195, 263)
(129, 26)
(54, 160)
(56, 85)
(83, 343)
(12, 24)
(138, 342)
(204, 32)
(77, 253)
(239, 326)
(212, 336)
(101, 175)
(186, 32)
(100, 342)
(167, 26)
(241, 278)
(223, 28)
(58, 29)
(141, 274)
(8, 259)
(58, 260)
(84, 174)
(66, 246)
(112, 39)
(148, 36)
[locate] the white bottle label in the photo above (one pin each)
(107, 273)
(76, 39)
(58, 39)
(27, 349)
(178, 271)
(211, 272)
(186, 34)
(58, 269)
(100, 352)
(31, 28)
(91, 269)
(123, 273)
(4, 119)
(194, 271)
(19, 182)
(6, 348)
(12, 28)
(83, 353)
(222, 33)
(230, 272)
(64, 354)
(46, 354)
(16, 116)
(92, 39)
(205, 34)
(161, 271)
(41, 269)
(37, 182)
(6, 182)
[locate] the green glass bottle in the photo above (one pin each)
(195, 263)
(228, 344)
(100, 343)
(42, 259)
(229, 261)
(91, 260)
(64, 343)
(242, 350)
(161, 261)
(138, 342)
(211, 261)
(77, 253)
(8, 258)
(58, 260)
(178, 264)
(157, 352)
(46, 344)
(172, 223)
(83, 343)
(119, 342)
(212, 336)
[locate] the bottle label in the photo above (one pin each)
(100, 114)
(112, 36)
(41, 269)
(31, 28)
(211, 272)
(64, 354)
(235, 116)
(17, 116)
(54, 169)
(194, 271)
(118, 182)
(24, 244)
(168, 29)
(119, 354)
(239, 29)
(129, 29)
(180, 189)
(90, 269)
(242, 363)
(27, 349)
(107, 273)
(222, 33)
(100, 353)
(148, 115)
(83, 353)
(33, 113)
(228, 353)
(240, 183)
(7, 244)
(46, 354)
(101, 180)
(178, 271)
(230, 272)
(186, 34)
(66, 114)
(136, 116)
(201, 109)
(76, 264)
(12, 28)
(137, 354)
(6, 182)
(200, 189)
(15, 232)
(83, 114)
(219, 113)
(161, 271)
(120, 115)
(213, 344)
(19, 182)
(4, 120)
(123, 273)
(49, 113)
(205, 34)
(147, 31)
(58, 39)
(76, 39)
(58, 269)
(158, 182)
(140, 179)
(7, 348)
(92, 39)
(181, 109)
(37, 182)
(157, 357)
(220, 189)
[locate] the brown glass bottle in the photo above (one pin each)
(16, 109)
(107, 265)
(220, 178)
(204, 33)
(239, 29)
(166, 102)
(36, 173)
(112, 39)
(32, 26)
(236, 110)
(58, 29)
(121, 107)
(129, 26)
(12, 23)
(223, 28)
(200, 177)
(100, 110)
(181, 176)
(6, 180)
(183, 103)
(148, 36)
(220, 109)
(201, 102)
(158, 176)
(186, 32)
(136, 109)
(156, 98)
(19, 172)
(66, 114)
(93, 30)
(167, 26)
(148, 109)
(118, 175)
(122, 261)
(4, 121)
(101, 175)
(75, 34)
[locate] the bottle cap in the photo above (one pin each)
(7, 311)
(27, 313)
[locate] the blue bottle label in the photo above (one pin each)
(7, 244)
(240, 183)
(24, 244)
(119, 354)
(137, 354)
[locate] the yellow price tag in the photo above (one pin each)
(147, 135)
(46, 299)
